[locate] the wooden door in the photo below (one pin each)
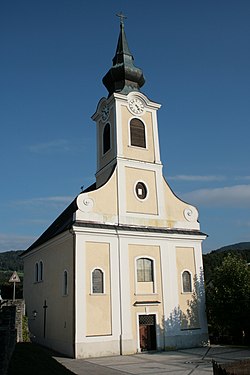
(147, 332)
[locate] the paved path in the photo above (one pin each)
(197, 361)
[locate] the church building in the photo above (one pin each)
(120, 270)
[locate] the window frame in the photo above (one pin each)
(190, 281)
(145, 133)
(65, 285)
(104, 138)
(41, 270)
(147, 191)
(36, 272)
(103, 282)
(144, 270)
(154, 274)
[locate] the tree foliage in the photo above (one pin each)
(214, 259)
(228, 299)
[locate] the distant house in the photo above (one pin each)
(120, 270)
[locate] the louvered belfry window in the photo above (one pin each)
(137, 133)
(106, 138)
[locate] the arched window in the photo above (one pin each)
(40, 271)
(137, 133)
(186, 282)
(97, 281)
(144, 270)
(36, 272)
(65, 283)
(106, 138)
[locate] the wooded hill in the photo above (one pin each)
(216, 257)
(11, 261)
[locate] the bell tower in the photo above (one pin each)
(127, 139)
(126, 120)
(128, 148)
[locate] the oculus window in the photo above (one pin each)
(141, 190)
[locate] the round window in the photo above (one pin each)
(141, 190)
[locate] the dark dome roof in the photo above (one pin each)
(123, 76)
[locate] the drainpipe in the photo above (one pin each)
(74, 294)
(119, 256)
(120, 290)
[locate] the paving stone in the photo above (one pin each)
(197, 361)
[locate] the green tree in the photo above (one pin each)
(228, 299)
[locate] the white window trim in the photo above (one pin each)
(91, 283)
(154, 274)
(145, 130)
(191, 276)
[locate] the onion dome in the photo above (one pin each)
(123, 77)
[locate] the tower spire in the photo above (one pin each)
(123, 76)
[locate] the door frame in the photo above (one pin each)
(138, 314)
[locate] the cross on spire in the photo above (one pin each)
(122, 17)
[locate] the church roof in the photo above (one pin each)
(130, 228)
(62, 223)
(123, 76)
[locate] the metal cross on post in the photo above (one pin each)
(122, 18)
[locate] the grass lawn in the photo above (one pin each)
(30, 359)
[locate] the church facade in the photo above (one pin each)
(120, 270)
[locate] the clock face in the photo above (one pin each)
(136, 106)
(105, 112)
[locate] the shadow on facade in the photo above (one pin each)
(183, 325)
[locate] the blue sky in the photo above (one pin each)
(195, 57)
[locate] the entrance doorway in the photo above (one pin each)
(147, 331)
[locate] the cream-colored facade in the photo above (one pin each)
(120, 270)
